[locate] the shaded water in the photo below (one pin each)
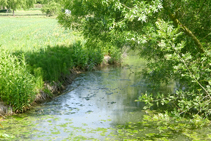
(94, 107)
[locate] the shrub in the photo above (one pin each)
(50, 9)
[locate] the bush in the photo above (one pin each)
(17, 85)
(50, 9)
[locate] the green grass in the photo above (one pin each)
(29, 34)
(38, 50)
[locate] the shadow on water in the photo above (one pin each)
(98, 105)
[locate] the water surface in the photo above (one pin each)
(96, 106)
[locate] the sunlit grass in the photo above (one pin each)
(31, 34)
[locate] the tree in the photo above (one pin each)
(173, 35)
(51, 8)
(15, 4)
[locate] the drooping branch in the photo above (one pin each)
(185, 29)
(188, 32)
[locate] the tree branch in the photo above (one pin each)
(185, 29)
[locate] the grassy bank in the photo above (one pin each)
(36, 51)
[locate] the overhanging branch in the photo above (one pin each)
(185, 29)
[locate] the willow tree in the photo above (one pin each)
(173, 35)
(16, 4)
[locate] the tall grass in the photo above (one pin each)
(55, 61)
(17, 85)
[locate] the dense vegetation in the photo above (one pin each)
(174, 36)
(38, 51)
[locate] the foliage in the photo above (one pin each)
(51, 8)
(191, 71)
(15, 4)
(17, 85)
(174, 36)
(77, 20)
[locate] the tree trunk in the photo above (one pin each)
(13, 12)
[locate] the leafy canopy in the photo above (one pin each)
(173, 35)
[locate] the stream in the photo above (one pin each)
(96, 106)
